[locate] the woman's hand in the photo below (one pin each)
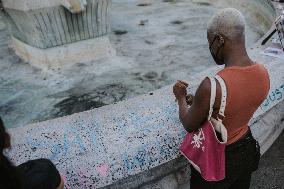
(179, 89)
(189, 99)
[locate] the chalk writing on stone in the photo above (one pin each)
(103, 170)
(150, 155)
(273, 97)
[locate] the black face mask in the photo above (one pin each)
(215, 56)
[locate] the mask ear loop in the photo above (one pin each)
(212, 42)
(222, 41)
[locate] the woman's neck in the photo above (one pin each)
(238, 57)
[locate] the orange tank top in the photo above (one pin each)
(247, 88)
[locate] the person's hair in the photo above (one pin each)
(39, 173)
(228, 22)
(9, 178)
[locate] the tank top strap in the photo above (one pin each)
(223, 95)
(212, 96)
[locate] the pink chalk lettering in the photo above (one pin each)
(103, 169)
(65, 181)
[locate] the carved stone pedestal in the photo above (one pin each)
(42, 25)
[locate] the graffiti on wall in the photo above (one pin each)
(273, 97)
(155, 131)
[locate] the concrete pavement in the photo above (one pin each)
(270, 174)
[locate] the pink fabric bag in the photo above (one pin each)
(202, 148)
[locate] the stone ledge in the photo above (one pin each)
(112, 143)
(175, 173)
(66, 55)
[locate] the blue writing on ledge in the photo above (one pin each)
(273, 97)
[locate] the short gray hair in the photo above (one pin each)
(228, 22)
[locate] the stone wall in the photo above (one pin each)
(175, 174)
(116, 142)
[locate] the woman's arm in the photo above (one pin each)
(192, 118)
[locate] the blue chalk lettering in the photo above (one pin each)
(282, 87)
(126, 163)
(278, 93)
(56, 149)
(274, 98)
(77, 141)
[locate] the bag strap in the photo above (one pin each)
(212, 96)
(223, 95)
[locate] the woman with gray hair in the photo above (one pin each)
(247, 85)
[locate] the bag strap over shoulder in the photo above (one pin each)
(223, 95)
(212, 96)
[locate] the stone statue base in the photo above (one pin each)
(57, 57)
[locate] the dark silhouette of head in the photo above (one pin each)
(9, 178)
(40, 173)
(34, 174)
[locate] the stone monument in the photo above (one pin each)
(52, 33)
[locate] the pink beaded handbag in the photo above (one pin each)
(202, 148)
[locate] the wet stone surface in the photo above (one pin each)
(78, 102)
(162, 42)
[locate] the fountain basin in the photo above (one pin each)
(134, 143)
